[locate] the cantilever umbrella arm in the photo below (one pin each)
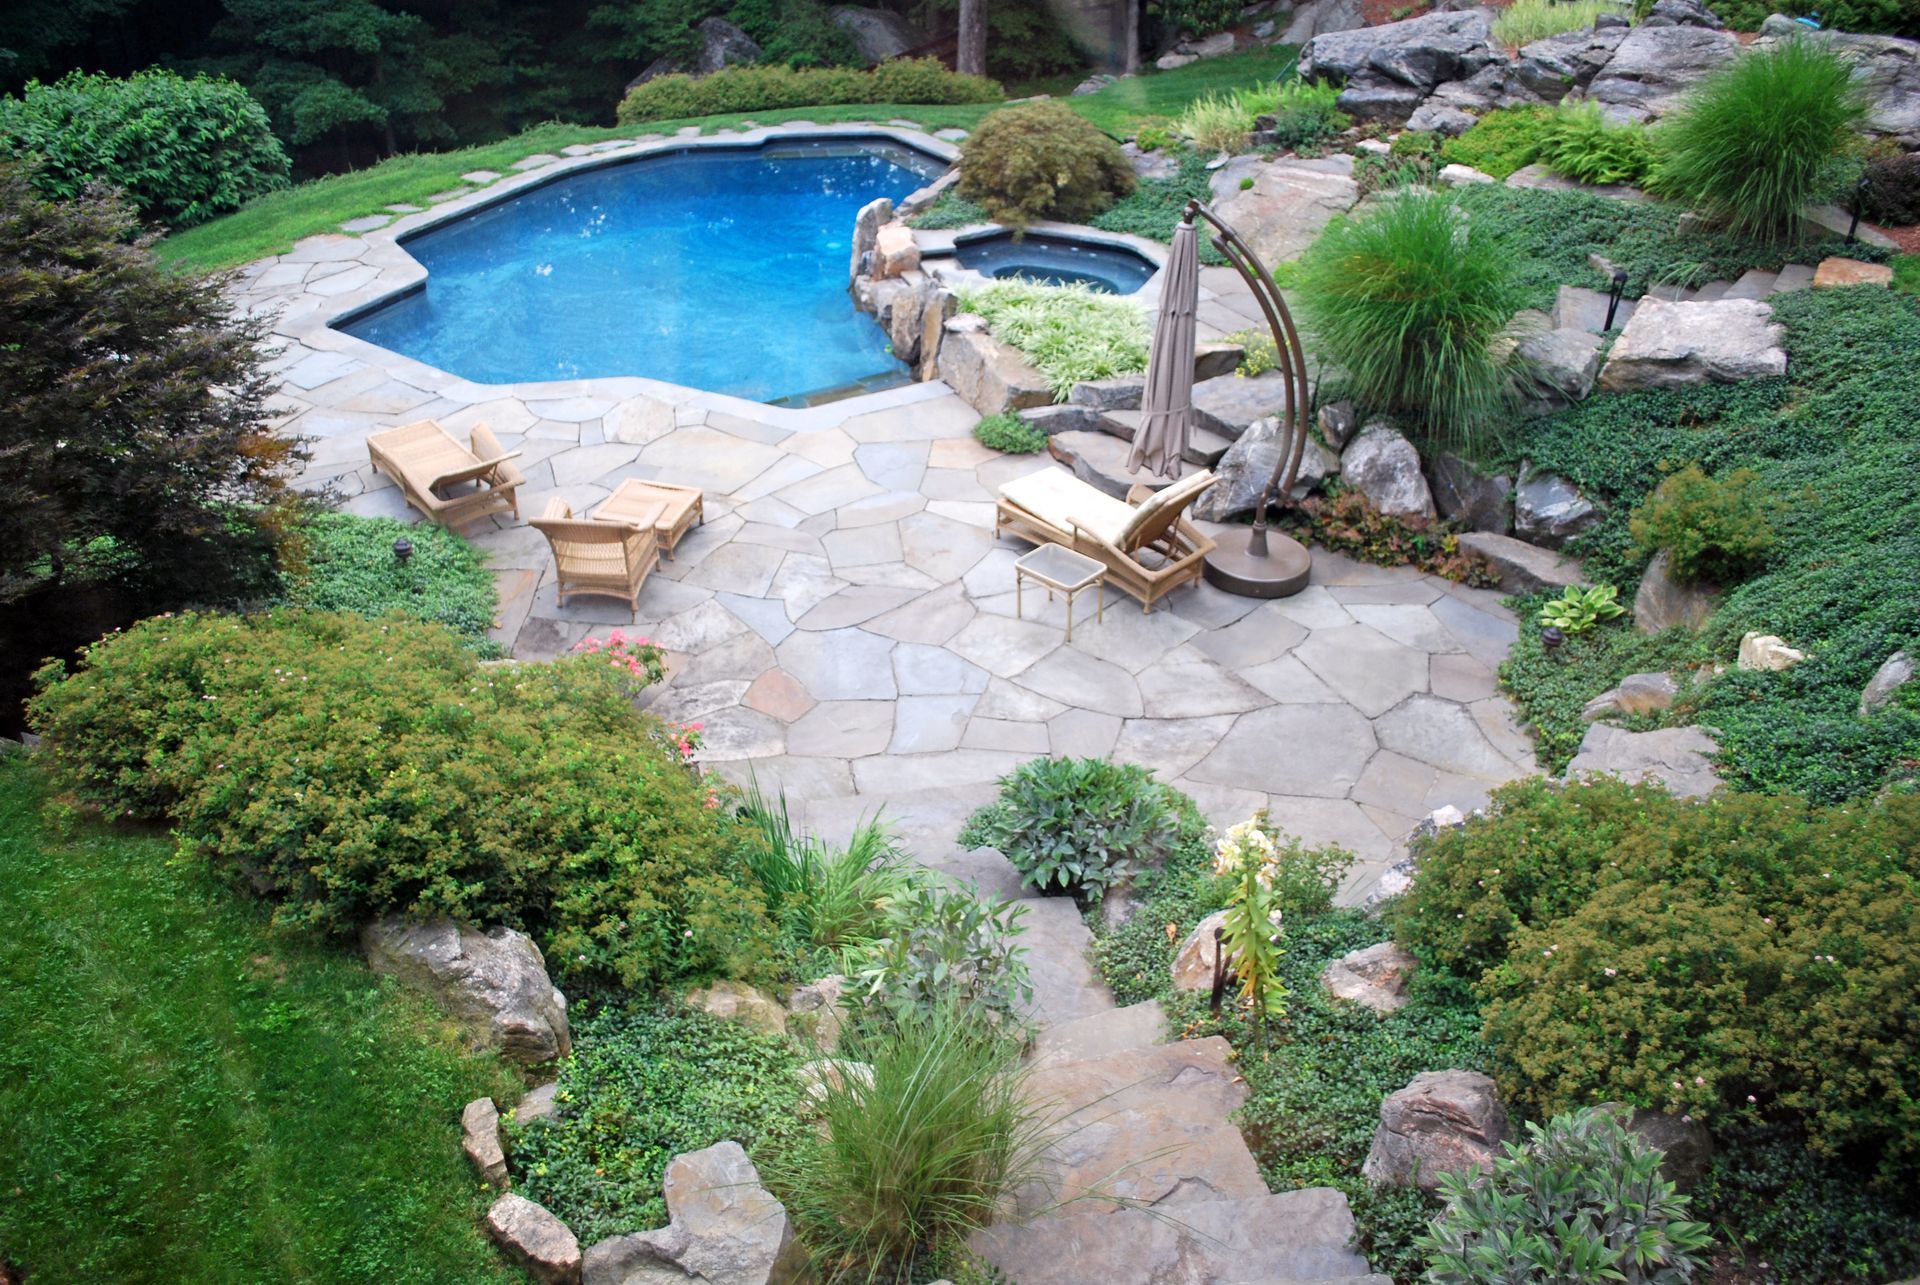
(1255, 573)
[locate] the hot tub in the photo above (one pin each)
(1056, 260)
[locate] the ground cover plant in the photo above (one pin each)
(1042, 160)
(192, 1095)
(349, 768)
(1009, 433)
(183, 150)
(1303, 114)
(343, 562)
(1069, 333)
(761, 87)
(645, 1084)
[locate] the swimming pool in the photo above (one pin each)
(717, 268)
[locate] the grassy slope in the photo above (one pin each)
(271, 224)
(189, 1096)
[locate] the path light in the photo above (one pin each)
(1551, 637)
(1614, 292)
(1859, 203)
(402, 550)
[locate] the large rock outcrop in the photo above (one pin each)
(1248, 465)
(1886, 67)
(1388, 70)
(988, 375)
(1289, 203)
(1663, 600)
(1653, 67)
(1674, 345)
(1548, 510)
(723, 1228)
(1442, 1122)
(495, 981)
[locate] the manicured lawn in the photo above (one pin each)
(190, 1096)
(271, 224)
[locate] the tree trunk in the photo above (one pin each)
(1130, 63)
(972, 56)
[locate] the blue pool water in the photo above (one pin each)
(1057, 261)
(722, 269)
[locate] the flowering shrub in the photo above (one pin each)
(352, 768)
(637, 658)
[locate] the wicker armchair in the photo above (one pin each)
(594, 556)
(449, 483)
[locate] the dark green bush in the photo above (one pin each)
(1581, 1199)
(1893, 190)
(1409, 302)
(771, 86)
(1712, 528)
(938, 946)
(1009, 433)
(1764, 137)
(346, 563)
(1042, 160)
(184, 150)
(352, 768)
(799, 33)
(1888, 17)
(1080, 826)
(645, 1084)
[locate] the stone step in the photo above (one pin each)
(1277, 1238)
(1065, 985)
(1710, 291)
(1795, 276)
(1577, 308)
(1118, 1030)
(1668, 292)
(1204, 447)
(1100, 459)
(1228, 404)
(1756, 283)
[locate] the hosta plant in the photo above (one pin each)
(1581, 608)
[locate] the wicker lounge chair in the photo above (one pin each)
(680, 507)
(1149, 549)
(446, 481)
(599, 557)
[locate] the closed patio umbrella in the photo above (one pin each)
(1167, 405)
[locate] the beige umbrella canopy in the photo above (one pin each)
(1167, 404)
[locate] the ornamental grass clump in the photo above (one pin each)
(1525, 21)
(1763, 138)
(1042, 160)
(1069, 333)
(1411, 301)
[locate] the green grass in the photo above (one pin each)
(271, 224)
(1906, 273)
(190, 1096)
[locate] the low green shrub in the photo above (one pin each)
(940, 946)
(349, 768)
(1197, 17)
(1525, 21)
(1217, 123)
(346, 563)
(1305, 113)
(1711, 528)
(1080, 826)
(915, 1155)
(1763, 138)
(766, 87)
(1574, 140)
(645, 1084)
(1042, 160)
(1906, 273)
(1503, 141)
(1409, 301)
(1009, 433)
(185, 150)
(1069, 333)
(1581, 1199)
(949, 210)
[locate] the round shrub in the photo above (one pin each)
(350, 768)
(184, 149)
(1711, 528)
(1009, 433)
(1763, 138)
(1411, 300)
(1042, 161)
(1082, 825)
(1582, 1199)
(1892, 196)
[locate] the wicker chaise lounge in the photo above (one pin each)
(449, 483)
(1149, 549)
(593, 555)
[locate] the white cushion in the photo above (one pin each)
(1176, 496)
(1060, 499)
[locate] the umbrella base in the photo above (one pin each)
(1280, 573)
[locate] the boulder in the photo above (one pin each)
(866, 228)
(494, 981)
(1372, 95)
(906, 319)
(723, 1227)
(537, 1103)
(934, 316)
(1193, 962)
(1229, 404)
(879, 34)
(1064, 417)
(1122, 392)
(1684, 1143)
(721, 45)
(1173, 62)
(1213, 358)
(1162, 162)
(1374, 978)
(1442, 1122)
(1894, 673)
(1393, 881)
(1092, 84)
(738, 1002)
(1217, 45)
(1681, 13)
(1289, 203)
(813, 1011)
(1837, 270)
(534, 1241)
(1653, 67)
(1662, 601)
(988, 375)
(828, 1074)
(1247, 467)
(1519, 567)
(1677, 757)
(894, 250)
(1338, 422)
(1433, 117)
(1385, 467)
(1464, 175)
(1673, 345)
(1768, 652)
(1887, 69)
(1469, 498)
(1548, 510)
(1646, 693)
(1550, 69)
(1560, 366)
(480, 1139)
(1317, 17)
(1421, 52)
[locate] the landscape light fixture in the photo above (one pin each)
(402, 550)
(1618, 288)
(1551, 637)
(1859, 204)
